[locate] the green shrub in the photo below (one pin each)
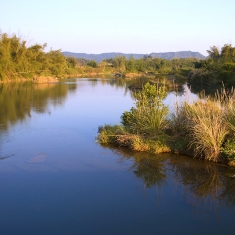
(109, 134)
(229, 149)
(148, 118)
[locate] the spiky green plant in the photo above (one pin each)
(148, 118)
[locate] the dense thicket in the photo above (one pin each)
(149, 64)
(18, 60)
(217, 69)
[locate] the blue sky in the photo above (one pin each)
(129, 26)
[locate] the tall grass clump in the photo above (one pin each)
(207, 128)
(148, 118)
(178, 119)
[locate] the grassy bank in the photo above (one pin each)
(204, 128)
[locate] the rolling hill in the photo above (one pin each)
(163, 55)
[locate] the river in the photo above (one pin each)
(55, 178)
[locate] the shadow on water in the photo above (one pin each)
(208, 184)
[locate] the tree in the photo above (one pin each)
(92, 63)
(120, 64)
(228, 52)
(71, 61)
(214, 53)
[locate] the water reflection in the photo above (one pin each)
(18, 100)
(73, 183)
(202, 182)
(201, 179)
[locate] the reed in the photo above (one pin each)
(178, 120)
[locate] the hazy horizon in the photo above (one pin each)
(132, 52)
(130, 26)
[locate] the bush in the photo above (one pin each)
(92, 63)
(229, 149)
(148, 118)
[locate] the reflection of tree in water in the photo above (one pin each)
(205, 183)
(151, 172)
(114, 82)
(93, 81)
(212, 184)
(17, 100)
(118, 82)
(227, 196)
(14, 106)
(146, 166)
(200, 179)
(206, 90)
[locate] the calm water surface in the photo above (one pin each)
(56, 179)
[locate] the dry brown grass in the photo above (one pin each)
(207, 128)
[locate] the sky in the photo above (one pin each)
(128, 26)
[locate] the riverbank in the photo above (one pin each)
(35, 79)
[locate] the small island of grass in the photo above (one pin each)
(204, 128)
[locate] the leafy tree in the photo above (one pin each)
(71, 62)
(120, 64)
(18, 60)
(214, 53)
(92, 63)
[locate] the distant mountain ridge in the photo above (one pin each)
(179, 55)
(163, 55)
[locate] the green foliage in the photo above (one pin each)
(17, 60)
(117, 135)
(110, 134)
(148, 118)
(71, 61)
(178, 120)
(229, 149)
(120, 64)
(19, 99)
(150, 65)
(205, 128)
(92, 63)
(217, 69)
